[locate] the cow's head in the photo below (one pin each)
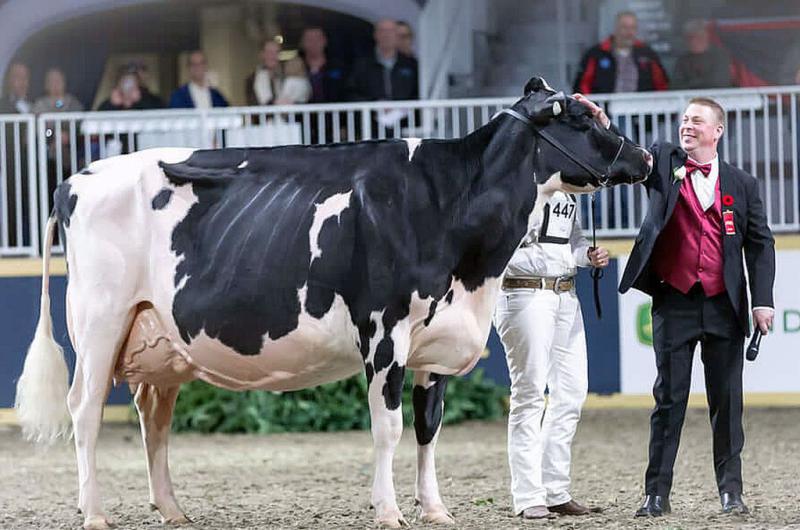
(572, 148)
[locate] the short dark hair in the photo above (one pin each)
(712, 104)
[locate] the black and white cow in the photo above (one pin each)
(283, 268)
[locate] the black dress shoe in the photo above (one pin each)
(733, 503)
(654, 506)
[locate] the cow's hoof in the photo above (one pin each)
(392, 520)
(97, 522)
(438, 516)
(173, 517)
(176, 521)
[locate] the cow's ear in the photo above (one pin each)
(549, 108)
(536, 84)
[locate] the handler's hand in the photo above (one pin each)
(598, 257)
(762, 317)
(597, 112)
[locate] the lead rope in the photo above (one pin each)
(597, 272)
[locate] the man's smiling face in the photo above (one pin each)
(700, 128)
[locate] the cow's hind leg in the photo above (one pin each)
(97, 337)
(385, 368)
(155, 405)
(428, 398)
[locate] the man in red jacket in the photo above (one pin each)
(621, 63)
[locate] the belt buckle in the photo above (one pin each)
(557, 284)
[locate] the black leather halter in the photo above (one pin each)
(601, 178)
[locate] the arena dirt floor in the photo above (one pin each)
(323, 480)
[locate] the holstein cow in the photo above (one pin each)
(284, 268)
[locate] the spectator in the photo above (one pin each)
(125, 95)
(703, 65)
(16, 99)
(621, 63)
(149, 100)
(405, 39)
(14, 167)
(277, 83)
(56, 98)
(387, 74)
(197, 93)
(327, 77)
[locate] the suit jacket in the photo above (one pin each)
(181, 98)
(750, 226)
(366, 80)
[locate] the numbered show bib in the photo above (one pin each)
(558, 218)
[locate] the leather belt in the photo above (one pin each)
(561, 284)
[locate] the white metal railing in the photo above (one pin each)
(19, 225)
(761, 137)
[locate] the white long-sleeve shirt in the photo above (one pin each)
(554, 245)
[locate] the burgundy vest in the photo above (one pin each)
(689, 248)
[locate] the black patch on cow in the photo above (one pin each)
(86, 171)
(393, 387)
(428, 408)
(449, 297)
(161, 199)
(384, 353)
(431, 312)
(370, 373)
(64, 202)
(365, 333)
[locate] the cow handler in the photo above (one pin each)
(538, 317)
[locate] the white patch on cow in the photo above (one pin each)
(412, 143)
(457, 335)
(242, 165)
(377, 318)
(332, 206)
(556, 108)
(546, 86)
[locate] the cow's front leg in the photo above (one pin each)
(385, 369)
(428, 398)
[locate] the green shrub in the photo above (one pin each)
(336, 406)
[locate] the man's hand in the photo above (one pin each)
(597, 112)
(762, 317)
(598, 257)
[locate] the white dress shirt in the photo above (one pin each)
(555, 245)
(201, 96)
(705, 186)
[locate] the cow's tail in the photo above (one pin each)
(41, 402)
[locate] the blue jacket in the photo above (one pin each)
(181, 98)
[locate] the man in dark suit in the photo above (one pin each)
(197, 93)
(387, 74)
(688, 256)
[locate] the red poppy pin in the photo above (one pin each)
(727, 200)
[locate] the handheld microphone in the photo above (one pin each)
(755, 344)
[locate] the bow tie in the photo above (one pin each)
(691, 166)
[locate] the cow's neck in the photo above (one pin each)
(500, 194)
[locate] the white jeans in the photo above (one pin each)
(542, 333)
